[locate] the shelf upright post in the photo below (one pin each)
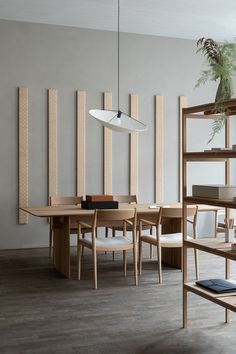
(227, 211)
(184, 206)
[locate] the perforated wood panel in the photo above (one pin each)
(107, 147)
(52, 142)
(134, 148)
(159, 149)
(23, 187)
(81, 143)
(182, 104)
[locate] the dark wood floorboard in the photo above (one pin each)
(42, 312)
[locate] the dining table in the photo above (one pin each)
(67, 216)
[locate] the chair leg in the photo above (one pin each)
(124, 264)
(140, 256)
(106, 231)
(196, 263)
(106, 234)
(50, 242)
(135, 264)
(151, 251)
(159, 264)
(151, 246)
(95, 269)
(79, 253)
(113, 235)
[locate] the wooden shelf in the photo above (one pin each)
(216, 246)
(216, 202)
(209, 155)
(228, 301)
(209, 108)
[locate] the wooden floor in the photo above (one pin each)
(42, 312)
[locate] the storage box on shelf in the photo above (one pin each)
(216, 246)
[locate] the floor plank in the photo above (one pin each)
(42, 312)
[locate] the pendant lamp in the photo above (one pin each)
(118, 120)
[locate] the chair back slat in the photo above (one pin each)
(130, 199)
(115, 214)
(177, 212)
(65, 200)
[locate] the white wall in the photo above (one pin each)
(43, 56)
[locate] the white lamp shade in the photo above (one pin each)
(118, 121)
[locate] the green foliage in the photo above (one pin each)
(217, 125)
(221, 62)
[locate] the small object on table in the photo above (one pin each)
(99, 198)
(229, 232)
(233, 246)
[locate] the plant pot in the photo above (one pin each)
(225, 89)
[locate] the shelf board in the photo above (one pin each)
(216, 202)
(228, 301)
(210, 107)
(216, 246)
(209, 155)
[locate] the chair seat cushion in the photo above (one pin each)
(108, 243)
(167, 240)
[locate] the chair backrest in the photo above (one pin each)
(177, 212)
(65, 200)
(107, 216)
(125, 199)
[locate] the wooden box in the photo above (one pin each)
(214, 191)
(99, 198)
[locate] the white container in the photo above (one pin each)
(214, 191)
(229, 235)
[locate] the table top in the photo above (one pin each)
(70, 210)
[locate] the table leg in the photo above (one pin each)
(61, 244)
(172, 256)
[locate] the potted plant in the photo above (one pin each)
(221, 62)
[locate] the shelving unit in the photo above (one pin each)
(216, 246)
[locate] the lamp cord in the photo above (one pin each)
(118, 48)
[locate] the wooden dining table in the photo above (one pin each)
(66, 217)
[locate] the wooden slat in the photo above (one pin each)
(182, 104)
(52, 142)
(23, 152)
(159, 149)
(133, 188)
(107, 148)
(81, 144)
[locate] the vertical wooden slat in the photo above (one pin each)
(133, 188)
(52, 142)
(159, 149)
(182, 104)
(81, 143)
(228, 211)
(107, 148)
(23, 152)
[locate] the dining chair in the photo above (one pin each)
(127, 199)
(56, 201)
(173, 240)
(119, 243)
(221, 222)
